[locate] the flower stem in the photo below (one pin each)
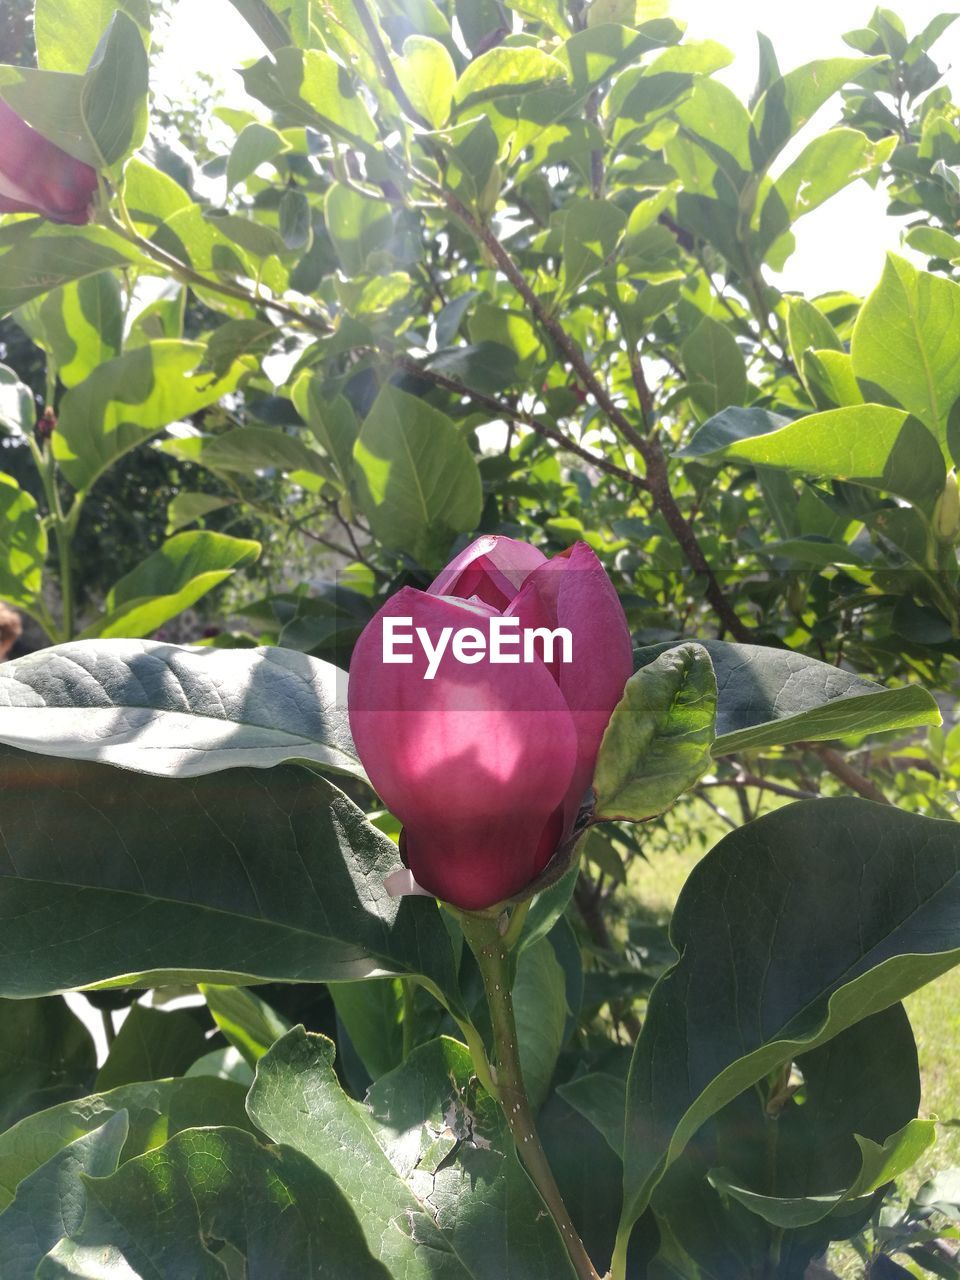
(492, 953)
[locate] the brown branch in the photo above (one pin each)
(510, 413)
(843, 770)
(382, 57)
(649, 450)
(763, 784)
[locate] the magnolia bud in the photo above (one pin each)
(47, 424)
(946, 514)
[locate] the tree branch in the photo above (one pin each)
(510, 413)
(649, 450)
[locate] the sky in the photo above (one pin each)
(839, 246)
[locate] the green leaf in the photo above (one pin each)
(126, 401)
(82, 325)
(540, 1010)
(46, 1053)
(152, 1044)
(177, 712)
(247, 1021)
(188, 508)
(468, 1210)
(591, 230)
(156, 1111)
(120, 909)
(428, 77)
(772, 697)
(505, 70)
(358, 226)
(256, 145)
(50, 1203)
(907, 342)
(418, 481)
(715, 367)
(825, 166)
(23, 545)
(67, 32)
(184, 569)
(18, 409)
(808, 328)
(296, 221)
(247, 450)
(484, 366)
(881, 1164)
(510, 329)
(602, 1099)
(371, 1012)
(309, 87)
(36, 257)
(332, 422)
(296, 1099)
(879, 883)
(792, 99)
(52, 102)
(858, 1090)
(657, 744)
(114, 97)
(238, 338)
(213, 1184)
(871, 444)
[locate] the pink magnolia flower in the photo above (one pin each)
(486, 762)
(37, 177)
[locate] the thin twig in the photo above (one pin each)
(512, 413)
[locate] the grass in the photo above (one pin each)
(934, 1013)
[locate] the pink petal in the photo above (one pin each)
(474, 762)
(573, 591)
(493, 569)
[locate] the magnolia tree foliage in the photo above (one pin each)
(518, 257)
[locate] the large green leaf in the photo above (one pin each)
(658, 741)
(177, 712)
(540, 1010)
(792, 99)
(591, 229)
(472, 1217)
(236, 877)
(271, 1207)
(152, 1044)
(332, 422)
(247, 449)
(505, 71)
(246, 1020)
(156, 1111)
(100, 116)
(184, 569)
(419, 483)
(772, 697)
(875, 445)
(115, 88)
(127, 400)
(794, 1168)
(792, 929)
(714, 366)
(36, 257)
(50, 1203)
(68, 31)
(309, 87)
(81, 325)
(907, 342)
(46, 1054)
(23, 545)
(428, 77)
